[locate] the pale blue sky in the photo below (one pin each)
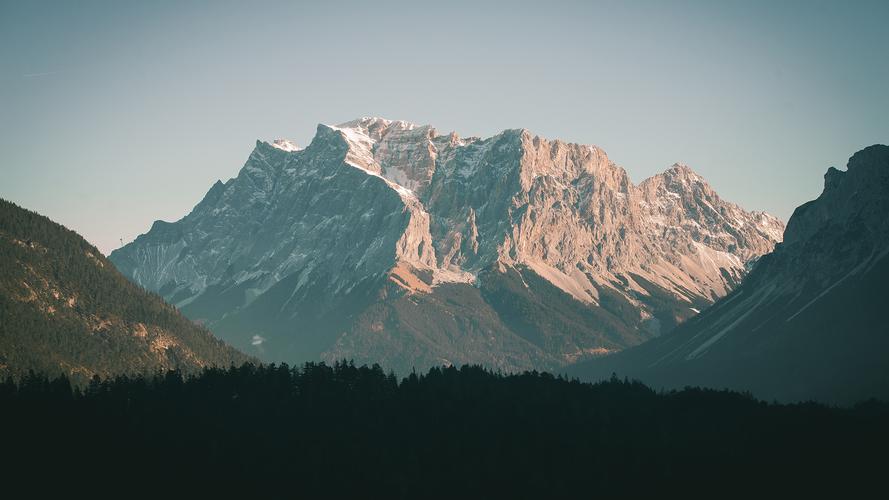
(114, 114)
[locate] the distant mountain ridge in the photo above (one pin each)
(384, 241)
(65, 309)
(809, 321)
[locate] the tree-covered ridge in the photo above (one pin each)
(343, 431)
(65, 309)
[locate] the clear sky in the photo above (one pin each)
(114, 114)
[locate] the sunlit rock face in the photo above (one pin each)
(384, 241)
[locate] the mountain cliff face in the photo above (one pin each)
(809, 320)
(64, 309)
(387, 242)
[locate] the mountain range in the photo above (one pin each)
(383, 241)
(808, 322)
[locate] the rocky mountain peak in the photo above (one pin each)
(681, 168)
(678, 175)
(832, 178)
(380, 203)
(847, 223)
(852, 200)
(285, 145)
(375, 127)
(872, 158)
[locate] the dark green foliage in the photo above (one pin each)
(356, 432)
(64, 308)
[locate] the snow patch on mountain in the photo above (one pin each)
(285, 145)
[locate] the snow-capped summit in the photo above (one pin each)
(375, 127)
(385, 241)
(285, 145)
(399, 151)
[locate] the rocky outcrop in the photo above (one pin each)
(296, 255)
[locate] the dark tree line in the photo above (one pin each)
(345, 431)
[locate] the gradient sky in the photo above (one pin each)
(115, 114)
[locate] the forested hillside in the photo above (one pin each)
(65, 309)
